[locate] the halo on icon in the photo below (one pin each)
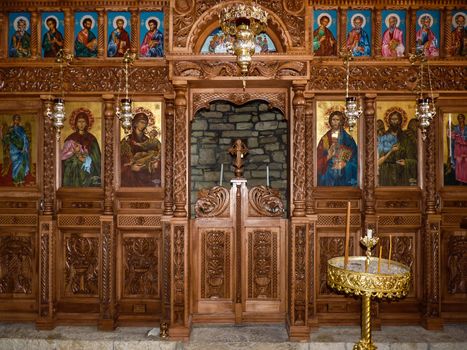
(114, 23)
(17, 19)
(153, 18)
(50, 17)
(398, 22)
(93, 23)
(358, 15)
(423, 15)
(454, 24)
(324, 14)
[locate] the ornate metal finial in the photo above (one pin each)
(238, 150)
(164, 327)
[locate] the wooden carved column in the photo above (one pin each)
(410, 47)
(109, 169)
(298, 156)
(68, 35)
(47, 226)
(180, 153)
(369, 168)
(100, 32)
(447, 31)
(378, 35)
(179, 302)
(34, 42)
(309, 152)
(134, 29)
(343, 26)
(432, 230)
(107, 296)
(169, 143)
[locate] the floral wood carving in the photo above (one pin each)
(16, 264)
(166, 270)
(431, 261)
(266, 201)
(180, 152)
(179, 274)
(274, 99)
(215, 268)
(141, 259)
(83, 79)
(457, 265)
(212, 69)
(107, 257)
(81, 265)
(212, 202)
(45, 268)
(369, 174)
(299, 151)
(395, 78)
(262, 264)
(169, 143)
(299, 276)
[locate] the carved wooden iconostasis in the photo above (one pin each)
(98, 227)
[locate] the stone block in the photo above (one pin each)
(244, 126)
(255, 119)
(207, 156)
(238, 118)
(278, 157)
(263, 107)
(271, 147)
(225, 141)
(212, 175)
(248, 108)
(204, 140)
(271, 125)
(282, 125)
(276, 166)
(256, 151)
(259, 158)
(252, 142)
(195, 134)
(221, 126)
(211, 114)
(268, 139)
(194, 148)
(223, 107)
(199, 124)
(264, 117)
(236, 134)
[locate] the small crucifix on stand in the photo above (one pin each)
(238, 151)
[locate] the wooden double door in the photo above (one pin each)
(239, 249)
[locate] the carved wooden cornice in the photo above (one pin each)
(275, 99)
(83, 79)
(212, 69)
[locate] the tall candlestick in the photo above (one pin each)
(379, 259)
(347, 236)
(267, 175)
(390, 251)
(222, 174)
(450, 135)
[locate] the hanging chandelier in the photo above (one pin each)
(425, 109)
(56, 113)
(243, 22)
(352, 110)
(123, 109)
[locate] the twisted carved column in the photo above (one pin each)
(180, 152)
(378, 34)
(35, 50)
(343, 26)
(100, 33)
(369, 168)
(109, 169)
(447, 32)
(298, 103)
(48, 159)
(309, 150)
(412, 33)
(68, 34)
(169, 141)
(430, 173)
(134, 29)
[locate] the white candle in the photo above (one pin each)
(369, 233)
(267, 175)
(222, 174)
(450, 135)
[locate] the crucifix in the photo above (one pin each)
(238, 151)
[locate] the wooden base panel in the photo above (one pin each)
(106, 325)
(179, 333)
(298, 333)
(45, 324)
(432, 323)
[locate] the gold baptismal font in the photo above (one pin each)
(243, 22)
(369, 277)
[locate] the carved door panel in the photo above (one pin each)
(238, 258)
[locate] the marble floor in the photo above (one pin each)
(254, 337)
